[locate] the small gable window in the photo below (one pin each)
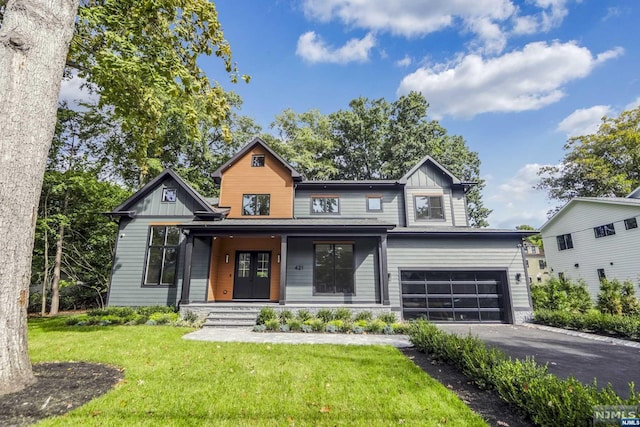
(325, 204)
(256, 204)
(630, 223)
(169, 195)
(162, 255)
(257, 160)
(564, 242)
(374, 203)
(604, 230)
(428, 207)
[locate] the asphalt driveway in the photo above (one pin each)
(609, 361)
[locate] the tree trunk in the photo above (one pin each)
(43, 309)
(34, 41)
(55, 284)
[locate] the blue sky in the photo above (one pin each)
(514, 78)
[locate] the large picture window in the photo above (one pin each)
(333, 272)
(428, 207)
(255, 204)
(325, 204)
(162, 255)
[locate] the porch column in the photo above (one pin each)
(186, 273)
(382, 267)
(283, 268)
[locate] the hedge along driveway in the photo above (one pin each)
(566, 355)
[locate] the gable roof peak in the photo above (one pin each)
(454, 179)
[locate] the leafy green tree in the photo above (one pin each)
(536, 239)
(606, 163)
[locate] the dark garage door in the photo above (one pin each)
(453, 296)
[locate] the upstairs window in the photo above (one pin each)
(256, 204)
(374, 203)
(604, 230)
(564, 242)
(325, 204)
(169, 195)
(630, 223)
(257, 160)
(162, 255)
(428, 207)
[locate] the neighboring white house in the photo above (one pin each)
(592, 238)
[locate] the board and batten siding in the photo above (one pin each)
(152, 204)
(129, 263)
(201, 257)
(353, 204)
(457, 254)
(616, 254)
(428, 176)
(299, 286)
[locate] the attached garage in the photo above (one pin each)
(455, 296)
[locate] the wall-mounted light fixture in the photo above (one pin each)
(518, 276)
(576, 265)
(278, 258)
(226, 258)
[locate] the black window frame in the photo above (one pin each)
(564, 242)
(335, 286)
(372, 197)
(256, 204)
(166, 192)
(164, 248)
(258, 160)
(630, 223)
(325, 205)
(604, 230)
(430, 208)
(601, 274)
(542, 264)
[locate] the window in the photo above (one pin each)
(601, 275)
(604, 230)
(374, 203)
(162, 255)
(564, 242)
(255, 204)
(534, 249)
(630, 223)
(169, 195)
(428, 207)
(333, 272)
(542, 264)
(257, 161)
(561, 276)
(325, 204)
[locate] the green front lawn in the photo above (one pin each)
(171, 381)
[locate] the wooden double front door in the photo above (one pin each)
(252, 275)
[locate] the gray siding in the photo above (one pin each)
(427, 176)
(201, 259)
(616, 254)
(128, 268)
(457, 254)
(353, 204)
(459, 209)
(446, 204)
(152, 204)
(299, 287)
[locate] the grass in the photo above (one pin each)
(174, 382)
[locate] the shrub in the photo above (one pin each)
(325, 315)
(592, 321)
(149, 310)
(304, 315)
(388, 330)
(337, 324)
(285, 316)
(357, 329)
(400, 328)
(294, 324)
(331, 329)
(561, 294)
(628, 300)
(284, 327)
(361, 323)
(610, 298)
(375, 326)
(306, 328)
(190, 317)
(259, 328)
(272, 324)
(363, 315)
(164, 318)
(342, 313)
(317, 325)
(387, 318)
(266, 314)
(112, 311)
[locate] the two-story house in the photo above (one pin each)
(591, 238)
(536, 263)
(273, 238)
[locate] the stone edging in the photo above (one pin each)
(594, 337)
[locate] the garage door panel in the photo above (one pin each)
(453, 296)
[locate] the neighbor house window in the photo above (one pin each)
(169, 195)
(333, 269)
(604, 230)
(564, 242)
(255, 204)
(630, 223)
(162, 255)
(257, 160)
(601, 275)
(374, 203)
(542, 264)
(325, 204)
(428, 207)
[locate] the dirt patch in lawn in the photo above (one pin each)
(60, 388)
(486, 403)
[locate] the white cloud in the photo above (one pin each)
(74, 90)
(584, 121)
(633, 104)
(313, 49)
(521, 80)
(404, 62)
